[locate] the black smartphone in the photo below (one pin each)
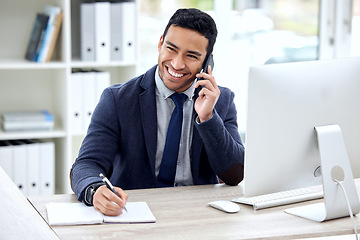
(208, 61)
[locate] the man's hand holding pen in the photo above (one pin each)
(106, 202)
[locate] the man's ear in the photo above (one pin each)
(161, 41)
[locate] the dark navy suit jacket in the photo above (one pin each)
(122, 137)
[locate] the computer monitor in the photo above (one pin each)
(285, 103)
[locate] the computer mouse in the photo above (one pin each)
(225, 205)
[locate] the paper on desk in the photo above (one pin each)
(79, 213)
(72, 214)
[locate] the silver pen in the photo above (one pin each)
(109, 186)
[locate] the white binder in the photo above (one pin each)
(47, 168)
(20, 165)
(129, 30)
(77, 103)
(33, 169)
(102, 82)
(89, 101)
(6, 158)
(102, 31)
(87, 31)
(116, 24)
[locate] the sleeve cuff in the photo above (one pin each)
(197, 119)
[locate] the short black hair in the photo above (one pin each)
(197, 20)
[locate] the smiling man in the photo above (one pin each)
(163, 128)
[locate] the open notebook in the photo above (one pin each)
(79, 213)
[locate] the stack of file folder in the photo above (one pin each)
(27, 120)
(30, 164)
(86, 89)
(108, 31)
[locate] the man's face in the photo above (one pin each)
(181, 54)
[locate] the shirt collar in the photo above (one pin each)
(165, 92)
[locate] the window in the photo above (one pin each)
(262, 32)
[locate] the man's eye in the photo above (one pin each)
(171, 49)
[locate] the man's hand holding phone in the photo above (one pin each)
(208, 95)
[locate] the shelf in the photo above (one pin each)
(26, 85)
(8, 64)
(82, 64)
(57, 133)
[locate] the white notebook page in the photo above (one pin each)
(79, 213)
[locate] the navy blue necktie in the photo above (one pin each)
(167, 172)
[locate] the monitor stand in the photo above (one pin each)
(335, 165)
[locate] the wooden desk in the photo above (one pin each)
(183, 213)
(18, 219)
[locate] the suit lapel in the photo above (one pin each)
(148, 111)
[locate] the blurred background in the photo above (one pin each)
(255, 32)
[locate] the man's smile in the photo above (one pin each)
(174, 74)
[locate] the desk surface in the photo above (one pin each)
(183, 213)
(18, 219)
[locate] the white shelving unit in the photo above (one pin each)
(27, 85)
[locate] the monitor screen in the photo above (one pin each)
(285, 103)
